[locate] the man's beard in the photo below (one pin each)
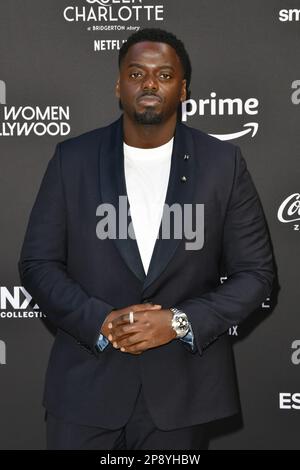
(149, 116)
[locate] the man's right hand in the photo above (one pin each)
(118, 312)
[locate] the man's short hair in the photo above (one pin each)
(160, 35)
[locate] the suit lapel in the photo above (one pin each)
(112, 184)
(180, 190)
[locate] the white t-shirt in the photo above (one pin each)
(147, 175)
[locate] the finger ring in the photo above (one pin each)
(131, 319)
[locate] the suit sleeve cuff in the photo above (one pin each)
(101, 343)
(188, 339)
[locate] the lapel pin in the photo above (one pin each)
(184, 179)
(186, 157)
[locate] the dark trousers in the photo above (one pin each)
(139, 433)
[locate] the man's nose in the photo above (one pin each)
(150, 83)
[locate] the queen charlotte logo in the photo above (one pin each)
(113, 15)
(106, 11)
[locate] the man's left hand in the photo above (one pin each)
(151, 328)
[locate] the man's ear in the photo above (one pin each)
(117, 88)
(183, 95)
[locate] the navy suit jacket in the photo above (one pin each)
(77, 279)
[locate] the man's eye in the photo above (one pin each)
(166, 75)
(135, 74)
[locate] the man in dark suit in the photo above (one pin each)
(142, 358)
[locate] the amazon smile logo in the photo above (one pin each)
(214, 106)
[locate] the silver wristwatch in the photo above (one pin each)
(180, 323)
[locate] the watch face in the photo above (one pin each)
(182, 322)
(182, 332)
(182, 325)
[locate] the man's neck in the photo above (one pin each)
(148, 136)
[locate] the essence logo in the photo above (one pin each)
(289, 211)
(289, 15)
(295, 96)
(295, 357)
(288, 401)
(2, 92)
(214, 106)
(2, 353)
